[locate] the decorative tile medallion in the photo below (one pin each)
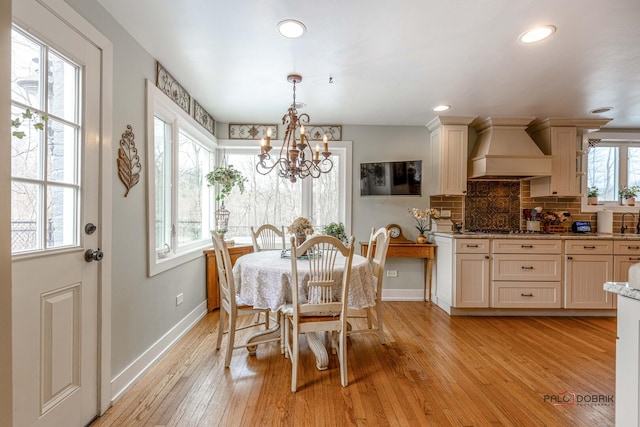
(492, 205)
(174, 90)
(251, 131)
(317, 132)
(203, 117)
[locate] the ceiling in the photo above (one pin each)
(391, 66)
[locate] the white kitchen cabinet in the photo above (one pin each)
(449, 147)
(562, 144)
(588, 264)
(625, 254)
(627, 363)
(472, 280)
(527, 273)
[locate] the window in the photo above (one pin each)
(180, 202)
(613, 161)
(45, 147)
(271, 199)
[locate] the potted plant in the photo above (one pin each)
(226, 177)
(336, 230)
(628, 195)
(592, 195)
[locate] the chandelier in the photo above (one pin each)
(296, 159)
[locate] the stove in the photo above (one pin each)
(494, 231)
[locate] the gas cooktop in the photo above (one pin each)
(492, 231)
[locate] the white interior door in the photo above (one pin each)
(55, 195)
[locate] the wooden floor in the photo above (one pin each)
(435, 370)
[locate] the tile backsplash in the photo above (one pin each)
(499, 204)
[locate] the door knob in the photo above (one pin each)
(91, 255)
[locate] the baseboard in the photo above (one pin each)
(121, 382)
(402, 294)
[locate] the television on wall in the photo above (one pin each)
(391, 178)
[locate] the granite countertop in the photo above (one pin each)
(623, 289)
(564, 236)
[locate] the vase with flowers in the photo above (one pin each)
(423, 220)
(553, 221)
(301, 228)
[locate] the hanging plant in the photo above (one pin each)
(226, 177)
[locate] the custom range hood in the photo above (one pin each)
(504, 149)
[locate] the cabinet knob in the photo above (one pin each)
(569, 257)
(486, 257)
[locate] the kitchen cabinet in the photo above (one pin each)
(449, 147)
(561, 138)
(471, 274)
(627, 366)
(527, 273)
(588, 264)
(213, 289)
(625, 254)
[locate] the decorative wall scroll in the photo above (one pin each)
(170, 86)
(317, 132)
(129, 166)
(251, 131)
(203, 117)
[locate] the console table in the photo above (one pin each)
(424, 251)
(213, 290)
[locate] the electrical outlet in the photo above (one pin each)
(179, 298)
(445, 213)
(392, 273)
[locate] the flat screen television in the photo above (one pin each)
(391, 178)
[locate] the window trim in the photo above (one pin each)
(160, 104)
(614, 137)
(342, 148)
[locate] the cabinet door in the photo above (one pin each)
(621, 268)
(453, 152)
(561, 142)
(584, 277)
(472, 280)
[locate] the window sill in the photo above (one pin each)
(611, 207)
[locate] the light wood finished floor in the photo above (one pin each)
(435, 370)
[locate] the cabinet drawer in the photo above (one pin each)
(626, 247)
(515, 267)
(472, 246)
(517, 246)
(526, 295)
(588, 247)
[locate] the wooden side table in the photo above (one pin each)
(213, 290)
(426, 251)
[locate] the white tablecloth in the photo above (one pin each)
(263, 279)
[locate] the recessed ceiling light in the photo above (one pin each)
(441, 107)
(536, 34)
(601, 110)
(291, 28)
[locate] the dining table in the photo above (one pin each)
(263, 279)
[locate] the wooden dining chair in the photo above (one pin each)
(267, 237)
(377, 255)
(230, 306)
(324, 307)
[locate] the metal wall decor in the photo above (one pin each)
(129, 166)
(251, 131)
(317, 132)
(203, 117)
(174, 90)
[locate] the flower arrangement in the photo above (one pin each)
(593, 192)
(227, 177)
(629, 192)
(422, 217)
(336, 230)
(301, 225)
(555, 217)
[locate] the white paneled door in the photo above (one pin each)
(55, 219)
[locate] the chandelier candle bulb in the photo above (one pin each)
(317, 152)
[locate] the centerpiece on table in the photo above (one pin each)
(300, 227)
(336, 230)
(226, 178)
(423, 219)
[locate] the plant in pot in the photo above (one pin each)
(336, 230)
(628, 194)
(226, 178)
(423, 220)
(592, 195)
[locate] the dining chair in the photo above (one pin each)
(267, 237)
(324, 307)
(377, 255)
(230, 305)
